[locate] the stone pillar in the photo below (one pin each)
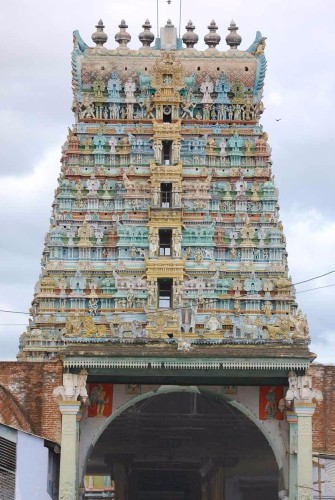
(74, 387)
(304, 412)
(68, 476)
(301, 398)
(293, 445)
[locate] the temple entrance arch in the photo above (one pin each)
(185, 443)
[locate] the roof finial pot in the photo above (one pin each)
(146, 37)
(212, 39)
(190, 38)
(233, 39)
(123, 37)
(99, 37)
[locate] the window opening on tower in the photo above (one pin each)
(165, 242)
(166, 194)
(165, 293)
(167, 152)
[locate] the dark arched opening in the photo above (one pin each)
(185, 446)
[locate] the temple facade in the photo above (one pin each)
(165, 289)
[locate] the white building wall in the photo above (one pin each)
(31, 468)
(324, 479)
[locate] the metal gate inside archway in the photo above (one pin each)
(185, 446)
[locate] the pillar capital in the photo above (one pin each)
(304, 409)
(291, 417)
(301, 391)
(69, 407)
(74, 387)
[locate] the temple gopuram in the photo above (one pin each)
(164, 319)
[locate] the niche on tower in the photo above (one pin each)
(167, 114)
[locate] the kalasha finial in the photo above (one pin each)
(233, 39)
(190, 38)
(212, 38)
(123, 37)
(99, 37)
(146, 37)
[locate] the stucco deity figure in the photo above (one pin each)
(99, 234)
(136, 329)
(261, 236)
(241, 187)
(187, 106)
(206, 111)
(176, 195)
(176, 242)
(74, 386)
(130, 111)
(223, 147)
(301, 325)
(206, 88)
(184, 345)
(93, 307)
(87, 108)
(155, 196)
(62, 283)
(237, 112)
(301, 389)
(246, 111)
(149, 108)
(267, 308)
(93, 186)
(112, 143)
(129, 89)
(153, 244)
(261, 47)
(237, 307)
(131, 299)
(178, 293)
(81, 384)
(221, 115)
(152, 293)
(198, 256)
(115, 111)
(84, 233)
(212, 323)
(211, 145)
(175, 152)
(158, 148)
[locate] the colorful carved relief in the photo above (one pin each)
(166, 175)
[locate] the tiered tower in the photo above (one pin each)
(165, 232)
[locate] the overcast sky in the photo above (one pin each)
(35, 101)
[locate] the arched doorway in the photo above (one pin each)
(185, 445)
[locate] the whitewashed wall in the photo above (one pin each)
(31, 468)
